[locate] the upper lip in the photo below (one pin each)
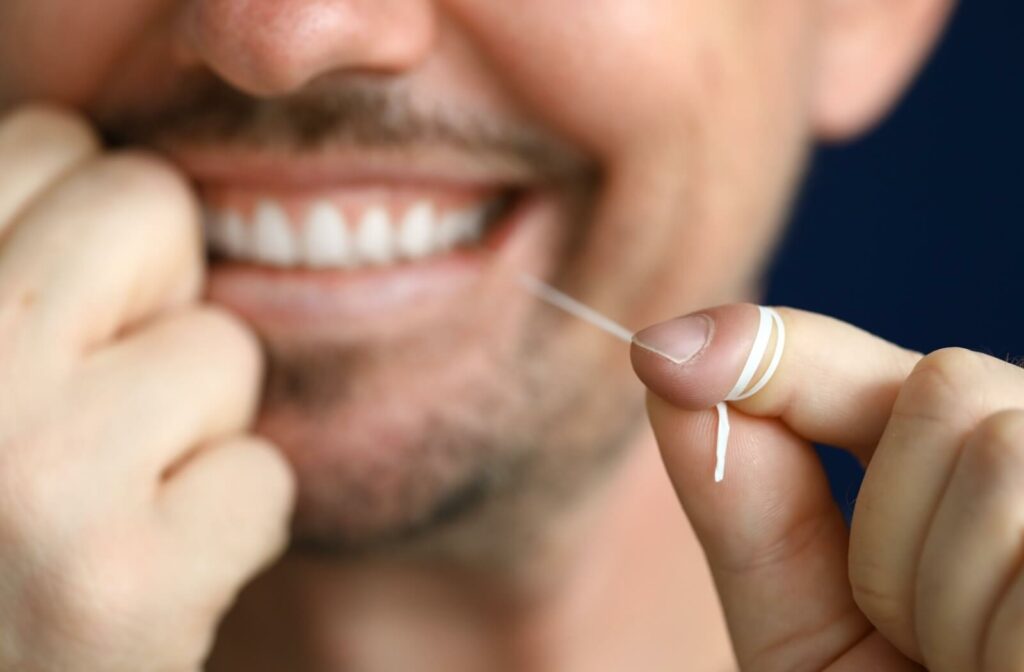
(426, 166)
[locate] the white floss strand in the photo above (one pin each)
(559, 299)
(769, 316)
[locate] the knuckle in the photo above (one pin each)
(263, 471)
(43, 122)
(156, 212)
(936, 384)
(955, 365)
(147, 179)
(226, 339)
(997, 445)
(224, 356)
(154, 207)
(272, 470)
(152, 197)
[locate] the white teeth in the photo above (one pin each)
(417, 234)
(273, 243)
(461, 227)
(234, 236)
(374, 242)
(325, 240)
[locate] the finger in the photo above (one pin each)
(113, 243)
(774, 540)
(38, 144)
(835, 383)
(973, 546)
(226, 511)
(189, 377)
(874, 653)
(938, 407)
(1003, 648)
(773, 537)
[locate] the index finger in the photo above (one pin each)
(835, 384)
(111, 244)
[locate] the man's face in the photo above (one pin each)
(637, 154)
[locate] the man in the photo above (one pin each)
(464, 478)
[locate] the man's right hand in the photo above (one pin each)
(133, 505)
(929, 573)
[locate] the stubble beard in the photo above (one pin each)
(484, 465)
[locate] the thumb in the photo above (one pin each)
(774, 539)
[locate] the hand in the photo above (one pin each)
(132, 504)
(931, 570)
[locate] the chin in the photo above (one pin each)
(392, 440)
(450, 442)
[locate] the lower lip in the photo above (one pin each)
(359, 301)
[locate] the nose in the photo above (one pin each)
(272, 47)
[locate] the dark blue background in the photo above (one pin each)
(915, 231)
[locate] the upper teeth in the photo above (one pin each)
(325, 239)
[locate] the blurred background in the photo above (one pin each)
(916, 232)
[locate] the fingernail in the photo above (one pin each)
(677, 340)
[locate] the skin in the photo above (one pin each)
(684, 129)
(928, 573)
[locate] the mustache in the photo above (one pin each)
(356, 112)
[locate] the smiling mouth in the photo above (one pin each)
(349, 245)
(350, 228)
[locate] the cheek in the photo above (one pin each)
(66, 50)
(696, 110)
(594, 69)
(652, 78)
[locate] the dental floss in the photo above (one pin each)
(559, 299)
(768, 318)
